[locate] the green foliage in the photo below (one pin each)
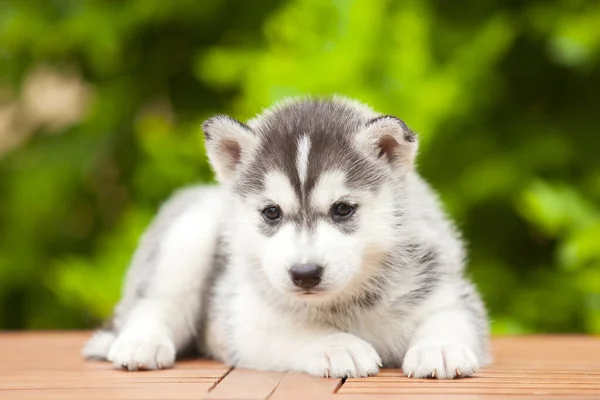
(503, 94)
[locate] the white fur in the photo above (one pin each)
(278, 254)
(302, 159)
(98, 346)
(256, 317)
(278, 190)
(440, 346)
(342, 256)
(164, 320)
(330, 188)
(320, 351)
(147, 341)
(402, 153)
(229, 146)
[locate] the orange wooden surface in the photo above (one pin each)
(48, 366)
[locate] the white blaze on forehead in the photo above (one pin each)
(279, 190)
(302, 160)
(330, 188)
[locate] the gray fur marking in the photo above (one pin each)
(331, 127)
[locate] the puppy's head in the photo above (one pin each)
(315, 183)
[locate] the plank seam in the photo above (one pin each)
(219, 380)
(339, 385)
(276, 386)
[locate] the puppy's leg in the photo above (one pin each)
(98, 346)
(266, 339)
(162, 321)
(451, 340)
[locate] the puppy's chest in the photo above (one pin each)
(387, 332)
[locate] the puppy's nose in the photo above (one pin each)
(306, 276)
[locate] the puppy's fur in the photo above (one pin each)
(216, 272)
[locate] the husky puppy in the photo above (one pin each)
(321, 251)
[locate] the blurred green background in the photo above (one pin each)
(101, 104)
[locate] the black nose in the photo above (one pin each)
(306, 276)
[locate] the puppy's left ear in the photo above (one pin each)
(228, 143)
(388, 138)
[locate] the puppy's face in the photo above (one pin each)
(316, 242)
(314, 187)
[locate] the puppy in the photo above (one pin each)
(321, 251)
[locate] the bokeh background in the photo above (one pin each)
(101, 104)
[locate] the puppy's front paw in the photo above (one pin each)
(98, 346)
(439, 359)
(135, 350)
(343, 355)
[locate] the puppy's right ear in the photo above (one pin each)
(228, 142)
(388, 138)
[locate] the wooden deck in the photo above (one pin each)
(48, 366)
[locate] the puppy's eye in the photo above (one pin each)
(272, 213)
(342, 210)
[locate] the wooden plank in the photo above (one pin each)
(114, 375)
(94, 382)
(444, 385)
(147, 392)
(246, 384)
(488, 378)
(296, 386)
(444, 396)
(593, 393)
(47, 365)
(524, 366)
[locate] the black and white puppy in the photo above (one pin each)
(322, 251)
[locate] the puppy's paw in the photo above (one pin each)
(138, 350)
(98, 346)
(439, 359)
(343, 355)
